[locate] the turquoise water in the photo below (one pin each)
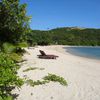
(89, 52)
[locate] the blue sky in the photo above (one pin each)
(63, 13)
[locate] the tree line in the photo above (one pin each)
(66, 36)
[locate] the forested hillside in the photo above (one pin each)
(66, 36)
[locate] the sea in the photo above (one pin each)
(85, 51)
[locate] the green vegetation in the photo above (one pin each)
(47, 79)
(8, 76)
(32, 68)
(55, 78)
(66, 36)
(34, 83)
(22, 44)
(15, 57)
(13, 21)
(9, 57)
(8, 47)
(13, 28)
(20, 51)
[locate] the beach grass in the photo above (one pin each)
(32, 68)
(47, 79)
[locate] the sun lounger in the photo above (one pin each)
(46, 56)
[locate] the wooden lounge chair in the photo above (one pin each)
(46, 56)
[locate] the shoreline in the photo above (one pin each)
(81, 74)
(65, 51)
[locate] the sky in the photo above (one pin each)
(49, 14)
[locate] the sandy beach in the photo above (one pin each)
(82, 75)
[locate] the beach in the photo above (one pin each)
(82, 75)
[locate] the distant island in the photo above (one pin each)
(66, 36)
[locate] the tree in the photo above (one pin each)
(14, 23)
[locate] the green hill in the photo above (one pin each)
(66, 36)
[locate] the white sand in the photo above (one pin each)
(82, 75)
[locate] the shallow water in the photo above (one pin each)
(89, 52)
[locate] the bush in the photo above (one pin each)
(20, 51)
(6, 98)
(22, 44)
(8, 76)
(15, 57)
(8, 47)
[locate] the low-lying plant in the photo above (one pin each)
(38, 82)
(32, 68)
(55, 78)
(47, 79)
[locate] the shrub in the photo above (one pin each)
(22, 44)
(15, 57)
(6, 98)
(8, 76)
(20, 51)
(8, 47)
